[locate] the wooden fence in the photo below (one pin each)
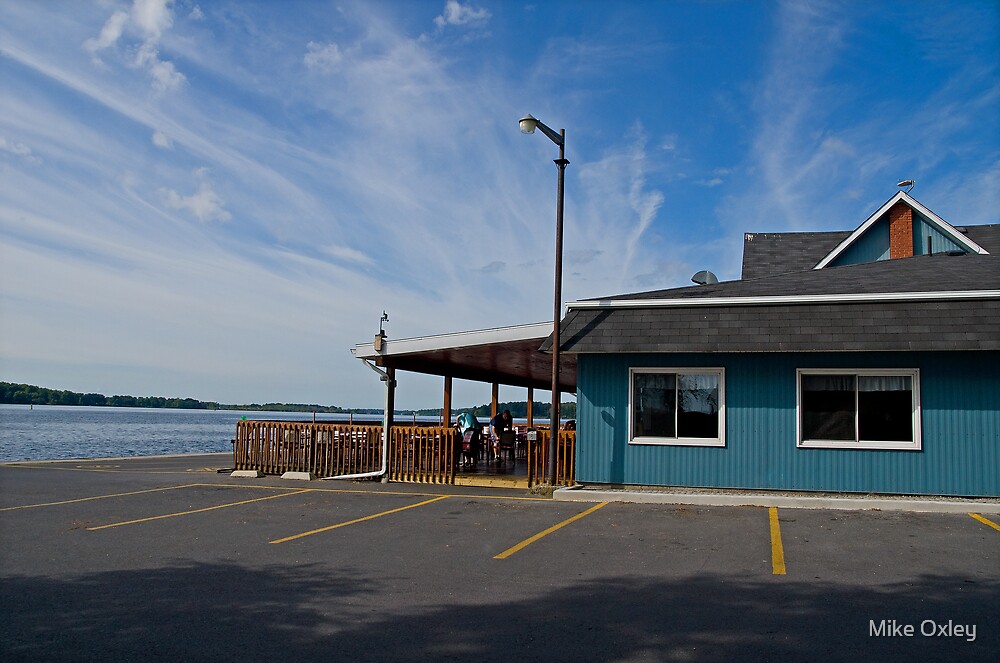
(421, 454)
(324, 449)
(538, 459)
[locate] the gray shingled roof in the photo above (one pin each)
(808, 327)
(868, 327)
(917, 274)
(768, 254)
(986, 236)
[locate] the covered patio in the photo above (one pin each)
(508, 356)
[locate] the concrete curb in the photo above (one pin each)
(247, 474)
(299, 476)
(579, 494)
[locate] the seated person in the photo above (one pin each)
(498, 424)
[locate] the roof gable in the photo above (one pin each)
(876, 223)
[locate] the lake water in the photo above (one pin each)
(50, 432)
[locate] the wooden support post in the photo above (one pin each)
(446, 407)
(531, 407)
(494, 399)
(391, 397)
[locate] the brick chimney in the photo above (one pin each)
(900, 231)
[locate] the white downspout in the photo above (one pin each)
(385, 431)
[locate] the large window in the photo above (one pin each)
(682, 406)
(859, 409)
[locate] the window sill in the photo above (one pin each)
(861, 446)
(678, 441)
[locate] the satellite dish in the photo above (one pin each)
(906, 183)
(705, 277)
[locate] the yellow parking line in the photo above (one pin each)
(985, 521)
(527, 542)
(359, 520)
(186, 513)
(365, 491)
(777, 550)
(96, 497)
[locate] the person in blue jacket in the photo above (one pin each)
(468, 425)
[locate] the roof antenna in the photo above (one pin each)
(907, 183)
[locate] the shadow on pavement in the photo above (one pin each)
(223, 612)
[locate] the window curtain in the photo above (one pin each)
(699, 393)
(884, 383)
(828, 382)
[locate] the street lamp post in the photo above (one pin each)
(528, 125)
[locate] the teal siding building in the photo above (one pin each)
(860, 362)
(959, 419)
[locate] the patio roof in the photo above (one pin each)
(506, 355)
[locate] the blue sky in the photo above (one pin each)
(218, 199)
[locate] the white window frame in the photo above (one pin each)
(719, 441)
(888, 445)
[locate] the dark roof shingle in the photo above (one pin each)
(768, 254)
(940, 272)
(986, 236)
(753, 326)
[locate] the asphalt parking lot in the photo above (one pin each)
(166, 559)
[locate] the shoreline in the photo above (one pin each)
(93, 458)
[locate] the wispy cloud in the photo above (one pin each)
(204, 204)
(322, 57)
(110, 33)
(17, 149)
(150, 19)
(493, 267)
(162, 140)
(816, 145)
(455, 13)
(620, 206)
(348, 254)
(788, 151)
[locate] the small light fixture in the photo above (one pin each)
(528, 124)
(380, 336)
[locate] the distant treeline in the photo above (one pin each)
(26, 394)
(518, 410)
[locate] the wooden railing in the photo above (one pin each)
(420, 454)
(538, 458)
(416, 453)
(324, 449)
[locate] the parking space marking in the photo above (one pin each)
(95, 497)
(187, 513)
(777, 550)
(985, 521)
(527, 542)
(359, 520)
(376, 493)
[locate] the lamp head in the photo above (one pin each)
(528, 124)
